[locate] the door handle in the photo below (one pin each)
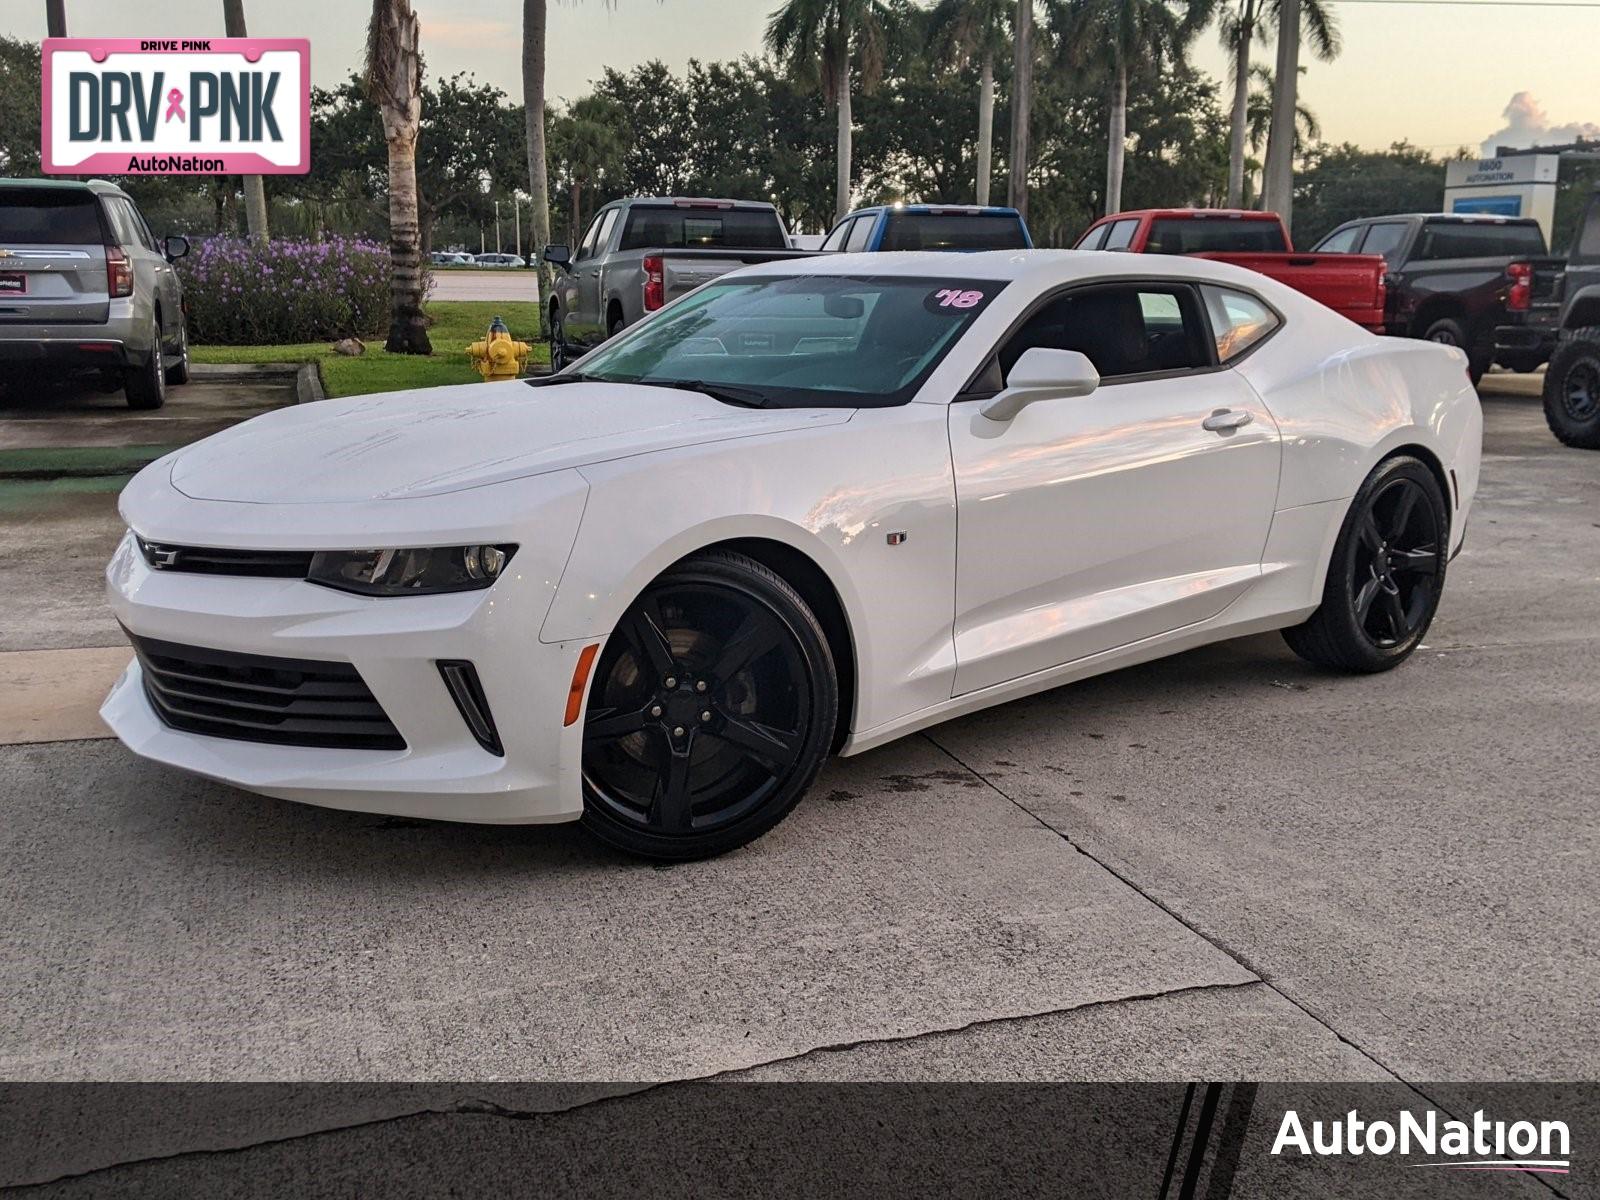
(1226, 420)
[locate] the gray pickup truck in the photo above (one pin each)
(640, 254)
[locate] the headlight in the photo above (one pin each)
(418, 572)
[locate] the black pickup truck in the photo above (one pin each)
(1559, 305)
(1447, 279)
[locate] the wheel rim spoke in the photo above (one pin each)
(670, 809)
(645, 631)
(1370, 534)
(611, 723)
(1364, 598)
(1395, 612)
(1403, 509)
(774, 748)
(1422, 561)
(756, 635)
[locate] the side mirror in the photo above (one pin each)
(175, 246)
(558, 255)
(1042, 374)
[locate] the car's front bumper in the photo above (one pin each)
(396, 645)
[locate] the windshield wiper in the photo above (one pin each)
(554, 380)
(728, 393)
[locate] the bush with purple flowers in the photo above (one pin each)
(241, 293)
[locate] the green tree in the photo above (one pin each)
(1294, 20)
(976, 31)
(1111, 39)
(19, 107)
(820, 41)
(588, 143)
(1339, 183)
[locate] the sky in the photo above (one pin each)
(1437, 76)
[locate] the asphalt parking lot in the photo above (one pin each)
(1224, 865)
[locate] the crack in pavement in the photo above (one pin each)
(475, 1106)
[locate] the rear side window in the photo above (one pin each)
(702, 228)
(1461, 239)
(1096, 238)
(1238, 320)
(1384, 238)
(1119, 236)
(1343, 242)
(49, 217)
(1589, 237)
(1209, 235)
(835, 240)
(860, 234)
(953, 231)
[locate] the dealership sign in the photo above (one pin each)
(168, 106)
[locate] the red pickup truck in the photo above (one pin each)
(1350, 284)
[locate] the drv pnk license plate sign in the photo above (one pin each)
(175, 106)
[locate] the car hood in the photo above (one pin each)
(436, 440)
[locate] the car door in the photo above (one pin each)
(591, 278)
(1091, 523)
(168, 287)
(578, 321)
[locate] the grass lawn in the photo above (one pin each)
(456, 324)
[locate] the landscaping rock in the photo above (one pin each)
(350, 347)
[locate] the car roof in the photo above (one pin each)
(988, 210)
(1052, 265)
(1468, 218)
(1203, 214)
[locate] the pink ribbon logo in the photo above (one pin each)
(175, 105)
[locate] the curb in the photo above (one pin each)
(308, 384)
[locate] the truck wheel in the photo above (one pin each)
(1572, 390)
(614, 323)
(1447, 331)
(559, 357)
(145, 386)
(178, 373)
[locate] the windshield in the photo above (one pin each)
(800, 341)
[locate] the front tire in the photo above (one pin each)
(1572, 391)
(1386, 575)
(712, 709)
(178, 373)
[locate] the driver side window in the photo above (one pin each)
(1124, 330)
(586, 247)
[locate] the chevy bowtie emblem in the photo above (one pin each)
(161, 556)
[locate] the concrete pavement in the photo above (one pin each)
(1224, 865)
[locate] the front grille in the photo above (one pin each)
(204, 560)
(253, 698)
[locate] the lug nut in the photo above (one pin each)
(678, 732)
(671, 682)
(655, 710)
(706, 716)
(700, 686)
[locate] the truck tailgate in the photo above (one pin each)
(53, 285)
(1350, 284)
(685, 270)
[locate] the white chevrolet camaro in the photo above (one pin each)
(808, 508)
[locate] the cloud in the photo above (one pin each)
(466, 32)
(1527, 124)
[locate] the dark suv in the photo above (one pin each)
(85, 284)
(1447, 280)
(1559, 303)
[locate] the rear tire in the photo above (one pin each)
(145, 387)
(1572, 391)
(1447, 331)
(1386, 575)
(712, 709)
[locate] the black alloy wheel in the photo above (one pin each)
(1386, 576)
(1572, 391)
(711, 710)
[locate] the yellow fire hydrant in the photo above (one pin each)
(498, 356)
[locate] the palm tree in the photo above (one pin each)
(1258, 113)
(1295, 18)
(394, 85)
(976, 30)
(534, 13)
(1021, 104)
(255, 192)
(818, 40)
(591, 138)
(55, 18)
(1241, 26)
(1111, 35)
